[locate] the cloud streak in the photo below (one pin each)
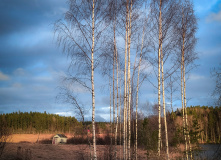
(3, 77)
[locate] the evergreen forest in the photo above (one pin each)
(204, 125)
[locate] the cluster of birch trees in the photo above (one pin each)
(129, 42)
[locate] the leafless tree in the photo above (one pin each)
(80, 35)
(163, 18)
(186, 30)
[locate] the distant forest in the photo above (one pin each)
(35, 122)
(204, 125)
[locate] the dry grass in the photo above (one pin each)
(27, 142)
(58, 152)
(31, 138)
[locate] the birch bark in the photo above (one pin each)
(92, 85)
(159, 81)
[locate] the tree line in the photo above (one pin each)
(36, 122)
(204, 121)
(205, 124)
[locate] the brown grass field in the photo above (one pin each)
(29, 149)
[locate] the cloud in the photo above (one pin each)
(214, 17)
(3, 77)
(98, 118)
(196, 77)
(67, 114)
(17, 85)
(19, 72)
(23, 14)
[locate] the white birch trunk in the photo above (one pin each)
(92, 84)
(129, 81)
(117, 101)
(164, 105)
(125, 88)
(159, 60)
(110, 115)
(184, 124)
(186, 119)
(182, 88)
(113, 92)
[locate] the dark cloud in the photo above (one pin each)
(20, 15)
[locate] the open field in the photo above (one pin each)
(27, 147)
(31, 138)
(56, 152)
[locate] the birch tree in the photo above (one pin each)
(187, 41)
(162, 41)
(128, 23)
(80, 35)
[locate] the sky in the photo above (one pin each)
(31, 64)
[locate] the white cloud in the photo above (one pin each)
(65, 113)
(3, 77)
(196, 77)
(214, 17)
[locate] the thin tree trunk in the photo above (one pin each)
(164, 105)
(120, 120)
(138, 76)
(117, 99)
(171, 95)
(125, 86)
(113, 91)
(110, 116)
(137, 106)
(159, 60)
(129, 82)
(187, 128)
(184, 124)
(182, 87)
(126, 129)
(92, 84)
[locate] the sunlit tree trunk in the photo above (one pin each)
(159, 81)
(183, 110)
(110, 115)
(125, 86)
(137, 89)
(92, 84)
(129, 80)
(186, 120)
(114, 87)
(117, 99)
(164, 106)
(182, 88)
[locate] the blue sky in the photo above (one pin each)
(31, 64)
